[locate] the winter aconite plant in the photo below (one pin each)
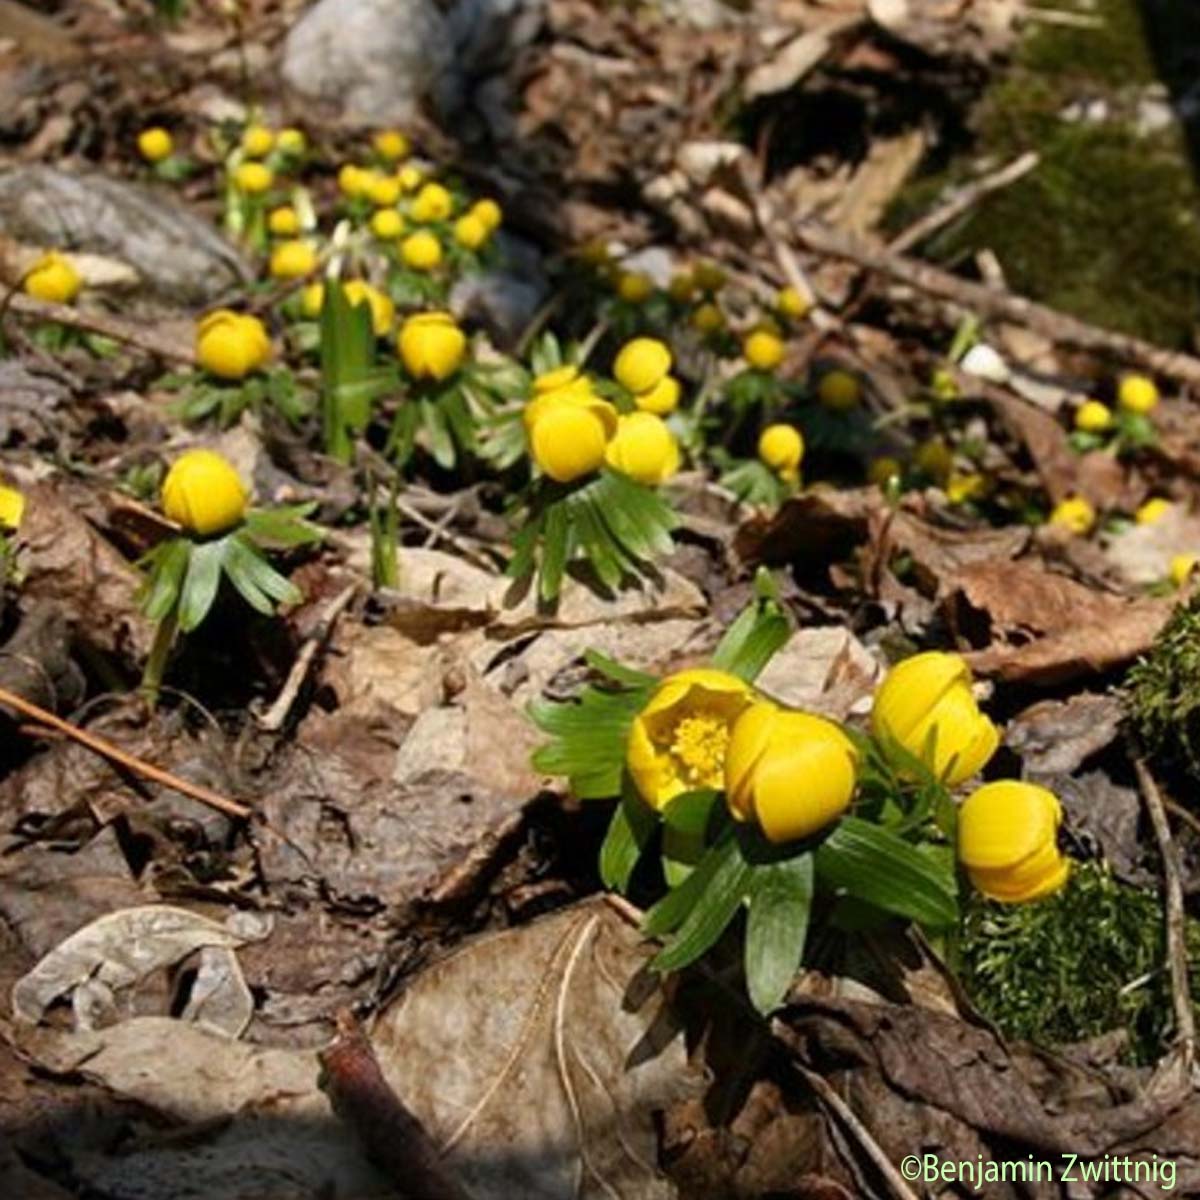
(789, 817)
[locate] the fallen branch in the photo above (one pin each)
(394, 1138)
(106, 749)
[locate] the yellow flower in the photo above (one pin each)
(763, 350)
(432, 203)
(355, 182)
(202, 492)
(384, 191)
(292, 141)
(883, 469)
(662, 398)
(641, 364)
(839, 390)
(965, 486)
(391, 144)
(1182, 566)
(383, 311)
(709, 277)
(943, 384)
(421, 251)
(470, 231)
(155, 144)
(253, 178)
(568, 428)
(283, 221)
(489, 212)
(682, 287)
(1092, 417)
(679, 741)
(1153, 510)
(925, 704)
(1137, 394)
(781, 447)
(643, 448)
(1008, 841)
(387, 224)
(562, 381)
(707, 318)
(312, 300)
(790, 773)
(52, 278)
(230, 345)
(257, 141)
(410, 177)
(293, 260)
(935, 458)
(12, 508)
(431, 345)
(1075, 514)
(791, 304)
(634, 287)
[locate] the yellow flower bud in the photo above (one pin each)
(1137, 394)
(293, 260)
(709, 277)
(231, 345)
(662, 398)
(634, 287)
(257, 141)
(354, 182)
(253, 178)
(470, 231)
(283, 221)
(1008, 841)
(312, 300)
(202, 492)
(383, 311)
(967, 485)
(707, 318)
(884, 469)
(12, 508)
(763, 350)
(644, 449)
(642, 363)
(682, 287)
(790, 773)
(567, 425)
(1075, 514)
(562, 380)
(421, 251)
(52, 278)
(432, 203)
(935, 458)
(679, 741)
(155, 144)
(391, 144)
(1092, 417)
(791, 304)
(292, 141)
(1182, 566)
(781, 447)
(839, 390)
(489, 212)
(387, 224)
(410, 177)
(384, 191)
(925, 704)
(1153, 510)
(431, 345)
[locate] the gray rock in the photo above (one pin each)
(506, 298)
(369, 61)
(177, 255)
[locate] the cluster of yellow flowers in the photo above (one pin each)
(1135, 394)
(794, 773)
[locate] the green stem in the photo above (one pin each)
(164, 639)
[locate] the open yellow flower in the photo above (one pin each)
(1074, 513)
(925, 704)
(643, 448)
(52, 278)
(12, 508)
(634, 287)
(421, 251)
(1008, 841)
(253, 178)
(781, 447)
(283, 221)
(680, 740)
(383, 311)
(470, 231)
(791, 773)
(661, 399)
(155, 144)
(432, 203)
(790, 304)
(293, 260)
(642, 363)
(203, 493)
(839, 390)
(489, 212)
(231, 345)
(1137, 394)
(391, 144)
(763, 349)
(257, 141)
(431, 345)
(387, 224)
(1093, 417)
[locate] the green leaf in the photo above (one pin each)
(437, 432)
(686, 823)
(631, 828)
(200, 584)
(255, 578)
(759, 630)
(780, 900)
(618, 672)
(557, 543)
(403, 433)
(166, 565)
(876, 865)
(347, 381)
(282, 528)
(598, 547)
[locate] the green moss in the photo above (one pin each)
(1108, 225)
(1083, 963)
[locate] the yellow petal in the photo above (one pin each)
(1002, 824)
(748, 741)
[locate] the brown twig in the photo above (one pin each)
(106, 749)
(394, 1138)
(1177, 954)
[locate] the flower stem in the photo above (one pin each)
(164, 639)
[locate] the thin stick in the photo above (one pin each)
(964, 198)
(273, 719)
(1177, 955)
(106, 749)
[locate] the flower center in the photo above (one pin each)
(698, 745)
